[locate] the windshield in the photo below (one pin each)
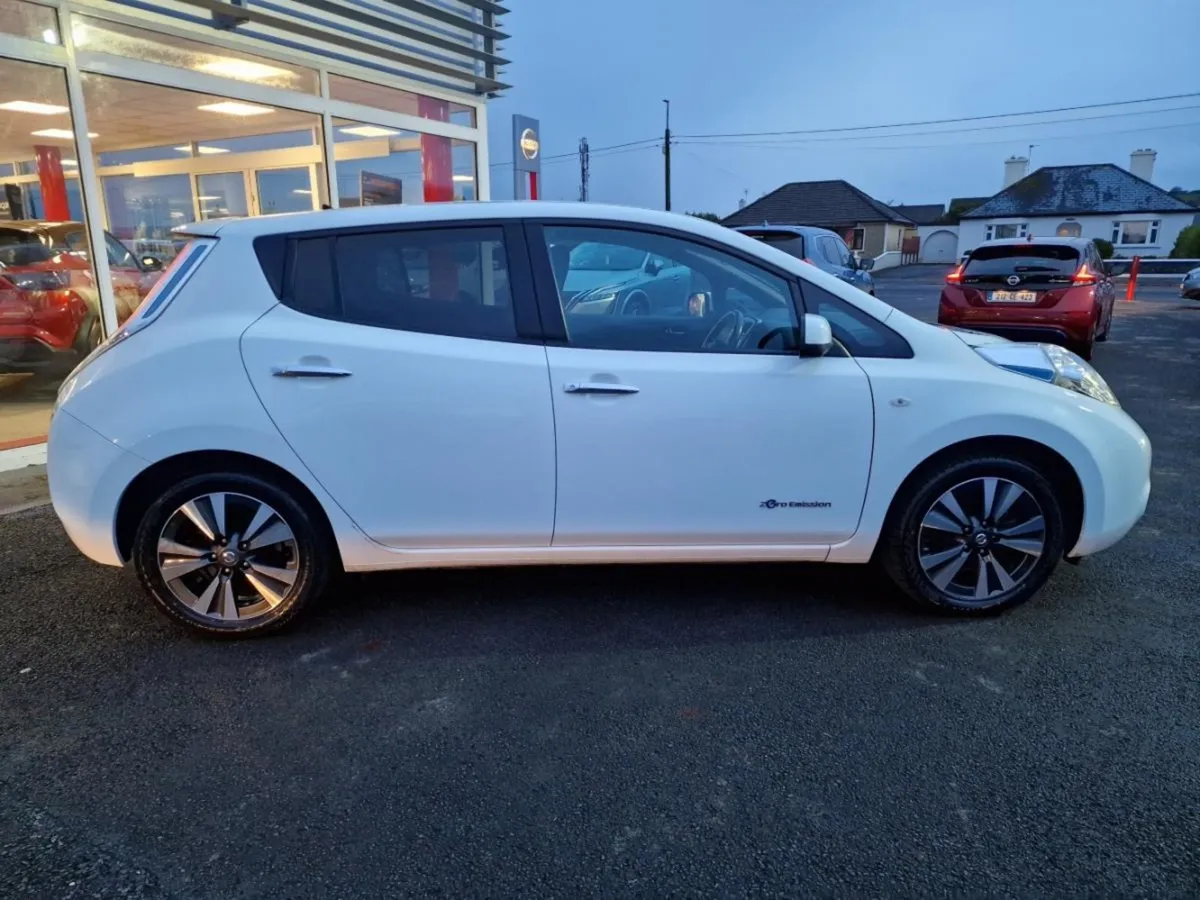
(606, 257)
(1011, 259)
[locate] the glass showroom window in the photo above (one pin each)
(378, 165)
(395, 100)
(210, 158)
(49, 303)
(29, 20)
(97, 35)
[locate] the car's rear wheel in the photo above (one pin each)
(231, 554)
(975, 537)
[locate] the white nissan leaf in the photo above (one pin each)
(412, 386)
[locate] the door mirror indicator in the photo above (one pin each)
(818, 336)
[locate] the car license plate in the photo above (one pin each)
(1012, 297)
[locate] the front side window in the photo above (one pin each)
(687, 297)
(447, 281)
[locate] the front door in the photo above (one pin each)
(702, 425)
(395, 369)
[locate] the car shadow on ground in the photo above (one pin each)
(534, 610)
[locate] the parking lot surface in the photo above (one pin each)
(767, 730)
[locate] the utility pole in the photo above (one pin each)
(667, 159)
(583, 170)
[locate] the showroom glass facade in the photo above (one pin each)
(118, 125)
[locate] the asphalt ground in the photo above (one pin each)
(653, 731)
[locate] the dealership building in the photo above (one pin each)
(123, 119)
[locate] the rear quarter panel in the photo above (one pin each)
(180, 385)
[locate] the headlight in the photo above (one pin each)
(1052, 364)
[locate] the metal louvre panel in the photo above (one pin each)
(413, 38)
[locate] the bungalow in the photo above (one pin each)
(870, 228)
(1091, 201)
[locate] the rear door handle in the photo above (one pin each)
(310, 372)
(598, 387)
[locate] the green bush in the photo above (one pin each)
(1105, 247)
(1187, 245)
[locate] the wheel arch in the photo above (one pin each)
(151, 482)
(1047, 460)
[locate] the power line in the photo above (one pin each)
(908, 134)
(1002, 142)
(1143, 130)
(1036, 112)
(575, 153)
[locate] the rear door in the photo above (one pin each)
(406, 370)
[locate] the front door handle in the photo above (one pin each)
(599, 387)
(310, 372)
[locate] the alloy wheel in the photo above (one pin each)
(228, 557)
(981, 538)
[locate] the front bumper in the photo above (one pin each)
(1117, 498)
(88, 476)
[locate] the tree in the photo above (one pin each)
(1105, 247)
(1187, 245)
(711, 217)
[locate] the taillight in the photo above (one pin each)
(1084, 276)
(956, 276)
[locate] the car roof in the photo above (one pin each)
(1076, 242)
(786, 229)
(419, 213)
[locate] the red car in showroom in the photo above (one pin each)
(1053, 290)
(49, 304)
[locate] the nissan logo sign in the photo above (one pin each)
(1014, 279)
(529, 144)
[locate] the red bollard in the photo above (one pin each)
(1131, 288)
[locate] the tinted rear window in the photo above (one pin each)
(1010, 259)
(781, 240)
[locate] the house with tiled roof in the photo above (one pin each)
(1101, 200)
(869, 227)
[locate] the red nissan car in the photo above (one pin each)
(1054, 290)
(49, 305)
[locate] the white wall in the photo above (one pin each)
(971, 231)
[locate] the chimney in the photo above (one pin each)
(1141, 163)
(1015, 168)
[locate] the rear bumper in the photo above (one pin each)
(88, 475)
(1039, 325)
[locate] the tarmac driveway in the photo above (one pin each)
(766, 730)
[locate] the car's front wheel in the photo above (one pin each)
(231, 554)
(975, 537)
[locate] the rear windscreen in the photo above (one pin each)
(781, 240)
(1013, 259)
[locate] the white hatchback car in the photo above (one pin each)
(414, 386)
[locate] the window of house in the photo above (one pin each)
(447, 281)
(699, 300)
(1010, 230)
(857, 238)
(1136, 232)
(1068, 230)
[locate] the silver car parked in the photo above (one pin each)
(1190, 286)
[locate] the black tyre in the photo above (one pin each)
(232, 555)
(1103, 335)
(974, 537)
(89, 336)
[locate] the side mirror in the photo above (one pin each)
(866, 264)
(152, 263)
(818, 336)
